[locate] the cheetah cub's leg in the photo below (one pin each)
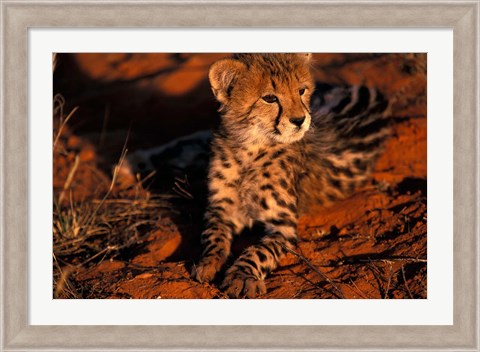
(279, 214)
(245, 277)
(223, 218)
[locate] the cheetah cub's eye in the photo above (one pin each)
(301, 91)
(270, 98)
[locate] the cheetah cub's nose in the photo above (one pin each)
(297, 121)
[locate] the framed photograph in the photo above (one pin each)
(338, 140)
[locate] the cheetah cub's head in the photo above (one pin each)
(264, 98)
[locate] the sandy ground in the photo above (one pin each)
(143, 240)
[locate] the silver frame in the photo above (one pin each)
(18, 15)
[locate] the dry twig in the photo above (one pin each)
(406, 284)
(311, 266)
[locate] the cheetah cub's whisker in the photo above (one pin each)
(269, 163)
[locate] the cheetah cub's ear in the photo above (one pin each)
(222, 76)
(306, 56)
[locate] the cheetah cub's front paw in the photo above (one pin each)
(238, 284)
(206, 269)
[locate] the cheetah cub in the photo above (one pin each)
(272, 157)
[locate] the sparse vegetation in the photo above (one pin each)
(102, 225)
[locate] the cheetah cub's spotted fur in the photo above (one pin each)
(272, 157)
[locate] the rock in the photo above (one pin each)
(162, 245)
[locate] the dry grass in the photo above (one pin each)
(101, 227)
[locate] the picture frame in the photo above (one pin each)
(19, 16)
